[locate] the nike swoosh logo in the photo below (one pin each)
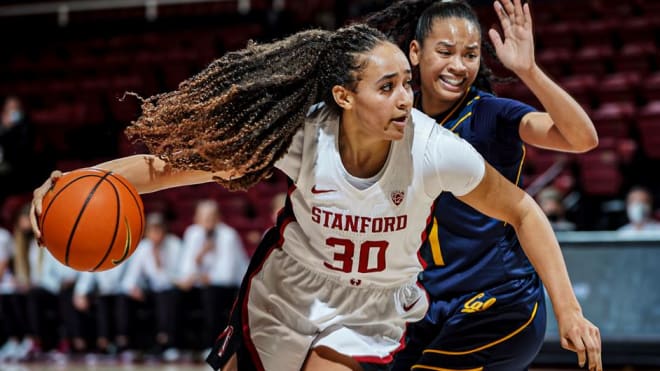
(409, 306)
(317, 191)
(127, 246)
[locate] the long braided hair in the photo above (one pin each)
(243, 110)
(408, 20)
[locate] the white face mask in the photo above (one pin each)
(15, 116)
(638, 212)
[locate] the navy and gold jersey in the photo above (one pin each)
(465, 250)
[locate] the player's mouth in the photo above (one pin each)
(453, 83)
(400, 121)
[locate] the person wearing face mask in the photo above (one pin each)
(639, 205)
(15, 148)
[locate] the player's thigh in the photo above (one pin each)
(324, 358)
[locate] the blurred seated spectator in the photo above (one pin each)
(150, 278)
(16, 147)
(639, 206)
(99, 295)
(8, 328)
(551, 203)
(48, 286)
(214, 261)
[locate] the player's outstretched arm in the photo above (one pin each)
(147, 173)
(497, 197)
(565, 126)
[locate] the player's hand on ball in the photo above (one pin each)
(38, 195)
(582, 337)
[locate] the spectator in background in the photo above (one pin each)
(215, 261)
(16, 147)
(49, 287)
(15, 300)
(639, 207)
(151, 277)
(550, 200)
(101, 292)
(8, 324)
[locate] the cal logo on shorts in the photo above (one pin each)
(478, 303)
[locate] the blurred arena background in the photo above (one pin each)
(70, 63)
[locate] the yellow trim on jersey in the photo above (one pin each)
(522, 160)
(423, 367)
(451, 113)
(435, 244)
(461, 120)
(472, 100)
(445, 352)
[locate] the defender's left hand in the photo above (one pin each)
(516, 51)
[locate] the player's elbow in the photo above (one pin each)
(588, 143)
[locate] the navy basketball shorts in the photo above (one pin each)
(499, 329)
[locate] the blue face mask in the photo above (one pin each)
(15, 116)
(638, 212)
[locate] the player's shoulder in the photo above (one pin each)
(426, 127)
(493, 103)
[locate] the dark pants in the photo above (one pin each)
(13, 315)
(216, 305)
(166, 305)
(111, 316)
(161, 306)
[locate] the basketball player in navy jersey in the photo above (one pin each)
(332, 286)
(487, 308)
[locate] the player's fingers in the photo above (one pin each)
(55, 174)
(594, 349)
(505, 22)
(34, 223)
(580, 349)
(509, 8)
(502, 15)
(495, 38)
(574, 343)
(518, 12)
(528, 16)
(591, 350)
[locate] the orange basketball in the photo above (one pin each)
(91, 219)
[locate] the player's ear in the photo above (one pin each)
(415, 50)
(343, 97)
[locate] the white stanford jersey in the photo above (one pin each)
(371, 236)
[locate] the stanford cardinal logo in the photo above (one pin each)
(397, 197)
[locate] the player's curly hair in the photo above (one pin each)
(243, 110)
(408, 20)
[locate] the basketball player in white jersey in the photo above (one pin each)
(332, 286)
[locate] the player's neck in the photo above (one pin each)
(362, 157)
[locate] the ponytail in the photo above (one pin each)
(242, 111)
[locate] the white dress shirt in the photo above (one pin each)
(225, 265)
(144, 268)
